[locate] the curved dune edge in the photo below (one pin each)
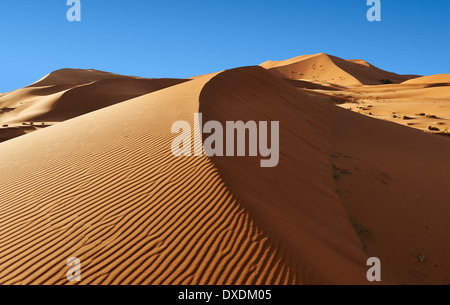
(297, 199)
(75, 77)
(48, 105)
(393, 194)
(104, 187)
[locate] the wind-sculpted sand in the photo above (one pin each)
(105, 188)
(87, 171)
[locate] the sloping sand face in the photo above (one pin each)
(298, 197)
(105, 187)
(393, 181)
(66, 94)
(431, 79)
(424, 105)
(74, 77)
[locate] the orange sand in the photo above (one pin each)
(98, 180)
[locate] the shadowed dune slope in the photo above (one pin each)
(394, 190)
(298, 197)
(105, 187)
(74, 77)
(331, 69)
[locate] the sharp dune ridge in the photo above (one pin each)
(98, 180)
(302, 197)
(431, 79)
(334, 70)
(135, 214)
(68, 93)
(75, 77)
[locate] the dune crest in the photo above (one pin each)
(297, 198)
(334, 70)
(99, 181)
(74, 77)
(68, 93)
(105, 187)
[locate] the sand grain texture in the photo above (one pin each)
(98, 180)
(104, 187)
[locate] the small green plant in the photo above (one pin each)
(432, 128)
(431, 116)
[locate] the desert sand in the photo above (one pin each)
(333, 70)
(68, 93)
(432, 79)
(360, 175)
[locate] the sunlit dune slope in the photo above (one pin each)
(297, 198)
(105, 187)
(74, 77)
(68, 93)
(333, 70)
(392, 180)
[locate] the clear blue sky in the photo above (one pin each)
(164, 38)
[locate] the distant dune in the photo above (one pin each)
(299, 195)
(330, 69)
(68, 93)
(98, 180)
(131, 211)
(432, 79)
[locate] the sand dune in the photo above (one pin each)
(312, 85)
(432, 79)
(331, 69)
(104, 187)
(68, 93)
(74, 77)
(299, 195)
(419, 106)
(392, 189)
(98, 180)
